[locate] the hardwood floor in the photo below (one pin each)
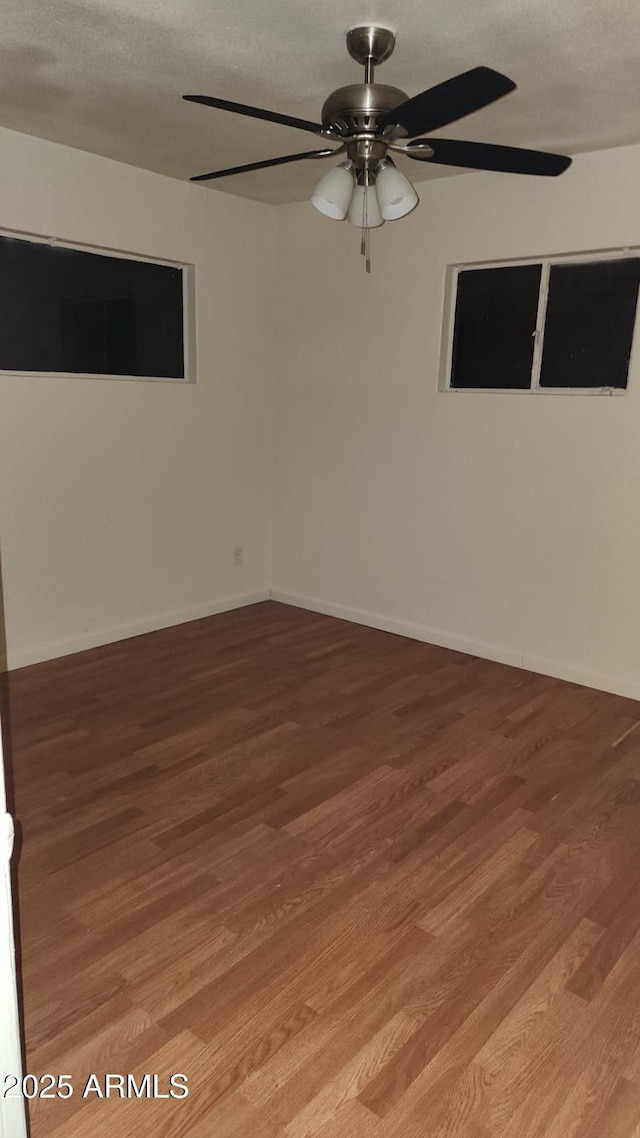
(351, 885)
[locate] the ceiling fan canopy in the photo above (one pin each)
(370, 121)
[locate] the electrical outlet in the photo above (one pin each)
(238, 555)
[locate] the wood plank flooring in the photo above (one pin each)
(351, 885)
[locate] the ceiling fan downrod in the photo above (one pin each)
(370, 45)
(357, 111)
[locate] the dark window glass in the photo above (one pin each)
(493, 338)
(591, 312)
(66, 310)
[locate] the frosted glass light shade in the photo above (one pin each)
(396, 196)
(356, 216)
(332, 196)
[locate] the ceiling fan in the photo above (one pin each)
(370, 119)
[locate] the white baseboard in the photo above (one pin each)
(95, 638)
(603, 681)
(560, 669)
(503, 654)
(402, 628)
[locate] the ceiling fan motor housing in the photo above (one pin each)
(360, 108)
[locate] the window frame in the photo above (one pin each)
(188, 310)
(545, 261)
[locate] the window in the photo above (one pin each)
(555, 325)
(87, 312)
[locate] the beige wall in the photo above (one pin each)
(507, 525)
(120, 502)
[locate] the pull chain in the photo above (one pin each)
(365, 241)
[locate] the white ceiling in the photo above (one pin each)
(106, 75)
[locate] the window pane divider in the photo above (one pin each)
(541, 315)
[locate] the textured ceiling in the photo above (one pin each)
(106, 75)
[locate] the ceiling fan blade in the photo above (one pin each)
(263, 165)
(254, 112)
(485, 156)
(450, 101)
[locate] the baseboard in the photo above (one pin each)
(95, 638)
(500, 653)
(603, 681)
(561, 670)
